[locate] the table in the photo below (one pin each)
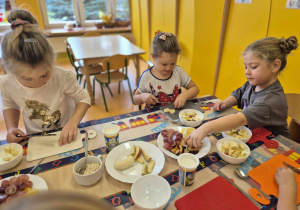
(95, 49)
(139, 125)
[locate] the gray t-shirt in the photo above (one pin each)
(266, 108)
(165, 90)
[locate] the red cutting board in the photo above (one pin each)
(265, 176)
(215, 195)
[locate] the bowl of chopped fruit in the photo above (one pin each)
(233, 151)
(191, 117)
(242, 133)
(10, 155)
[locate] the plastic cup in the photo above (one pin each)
(188, 164)
(111, 135)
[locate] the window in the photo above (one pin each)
(57, 13)
(5, 7)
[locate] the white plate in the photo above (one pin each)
(203, 151)
(38, 182)
(130, 175)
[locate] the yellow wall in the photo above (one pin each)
(145, 28)
(186, 33)
(284, 23)
(246, 24)
(162, 16)
(206, 44)
(34, 8)
(135, 21)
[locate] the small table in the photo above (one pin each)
(95, 49)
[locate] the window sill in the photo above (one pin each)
(80, 31)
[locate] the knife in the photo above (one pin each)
(32, 170)
(239, 189)
(296, 170)
(48, 134)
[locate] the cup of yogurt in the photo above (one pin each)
(188, 164)
(111, 136)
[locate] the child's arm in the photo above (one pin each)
(192, 91)
(227, 103)
(69, 131)
(12, 117)
(222, 124)
(147, 98)
(286, 181)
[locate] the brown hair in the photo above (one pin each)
(272, 48)
(25, 44)
(169, 45)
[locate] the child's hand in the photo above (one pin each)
(220, 106)
(68, 133)
(195, 138)
(180, 101)
(15, 135)
(285, 177)
(149, 99)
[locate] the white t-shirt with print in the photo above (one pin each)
(47, 107)
(165, 90)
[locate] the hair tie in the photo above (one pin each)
(30, 40)
(17, 22)
(164, 36)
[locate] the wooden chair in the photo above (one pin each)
(110, 63)
(293, 100)
(92, 33)
(79, 67)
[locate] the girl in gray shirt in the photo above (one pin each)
(261, 97)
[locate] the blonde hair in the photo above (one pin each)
(169, 45)
(25, 44)
(272, 48)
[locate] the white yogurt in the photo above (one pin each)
(188, 162)
(110, 131)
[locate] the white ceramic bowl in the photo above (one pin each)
(12, 163)
(228, 158)
(243, 140)
(89, 179)
(193, 124)
(151, 192)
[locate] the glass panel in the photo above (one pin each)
(4, 10)
(122, 10)
(59, 11)
(94, 9)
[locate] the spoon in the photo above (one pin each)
(83, 167)
(244, 176)
(163, 120)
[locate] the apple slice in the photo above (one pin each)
(140, 160)
(144, 172)
(151, 166)
(138, 152)
(133, 150)
(146, 156)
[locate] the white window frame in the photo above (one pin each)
(13, 5)
(78, 11)
(58, 24)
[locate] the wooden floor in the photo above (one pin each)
(118, 104)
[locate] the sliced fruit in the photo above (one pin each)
(174, 150)
(133, 150)
(150, 166)
(177, 152)
(140, 160)
(144, 172)
(32, 191)
(138, 152)
(146, 156)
